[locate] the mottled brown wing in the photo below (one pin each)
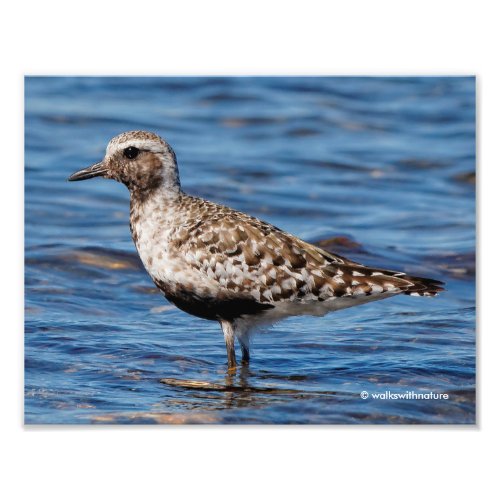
(253, 258)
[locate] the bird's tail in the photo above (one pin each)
(423, 287)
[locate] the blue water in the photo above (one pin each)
(381, 170)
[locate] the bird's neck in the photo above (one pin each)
(161, 192)
(156, 201)
(153, 217)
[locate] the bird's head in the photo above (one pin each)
(142, 161)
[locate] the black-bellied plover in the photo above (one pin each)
(220, 264)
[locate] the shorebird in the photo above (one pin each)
(220, 264)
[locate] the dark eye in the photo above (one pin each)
(131, 152)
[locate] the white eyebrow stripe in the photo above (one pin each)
(148, 145)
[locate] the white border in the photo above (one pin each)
(223, 37)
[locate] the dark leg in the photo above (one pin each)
(245, 355)
(228, 330)
(245, 348)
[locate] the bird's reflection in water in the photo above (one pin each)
(236, 391)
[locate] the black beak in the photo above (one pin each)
(96, 170)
